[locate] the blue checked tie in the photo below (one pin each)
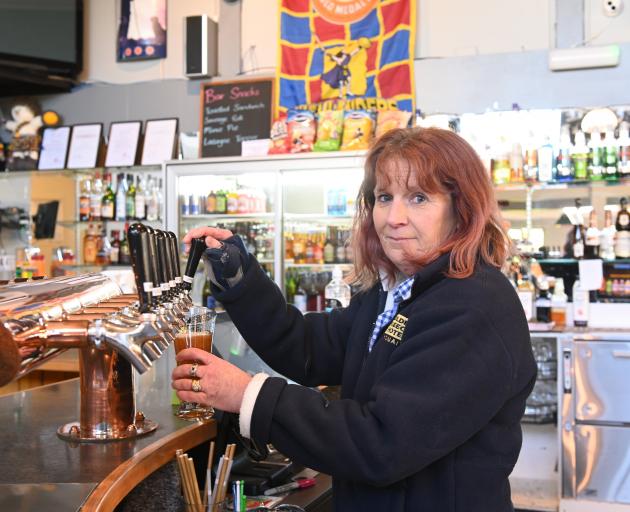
(401, 292)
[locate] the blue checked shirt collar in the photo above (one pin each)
(401, 292)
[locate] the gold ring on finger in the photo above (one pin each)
(196, 385)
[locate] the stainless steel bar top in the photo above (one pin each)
(37, 467)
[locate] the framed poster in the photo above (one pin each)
(141, 30)
(54, 150)
(122, 143)
(160, 140)
(85, 142)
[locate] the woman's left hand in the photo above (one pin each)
(222, 384)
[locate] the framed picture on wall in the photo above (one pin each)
(122, 143)
(54, 150)
(85, 143)
(141, 30)
(160, 141)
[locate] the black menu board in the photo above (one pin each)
(233, 112)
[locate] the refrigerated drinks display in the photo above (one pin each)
(294, 213)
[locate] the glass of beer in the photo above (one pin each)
(196, 333)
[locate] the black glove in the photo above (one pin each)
(227, 264)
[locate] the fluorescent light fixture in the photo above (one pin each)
(584, 57)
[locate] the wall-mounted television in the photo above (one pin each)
(41, 37)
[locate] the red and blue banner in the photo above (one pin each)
(346, 54)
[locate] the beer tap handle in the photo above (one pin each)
(154, 265)
(168, 260)
(138, 238)
(163, 272)
(172, 238)
(197, 248)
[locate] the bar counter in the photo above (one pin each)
(39, 471)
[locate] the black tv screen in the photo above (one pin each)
(45, 33)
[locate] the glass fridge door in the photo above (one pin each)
(240, 197)
(318, 210)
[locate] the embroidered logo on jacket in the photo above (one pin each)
(395, 330)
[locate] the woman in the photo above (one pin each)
(433, 355)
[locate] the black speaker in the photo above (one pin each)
(200, 34)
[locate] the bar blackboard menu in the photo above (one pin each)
(233, 112)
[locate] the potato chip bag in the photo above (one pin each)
(301, 124)
(389, 119)
(279, 136)
(357, 130)
(329, 126)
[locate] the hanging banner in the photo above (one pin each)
(346, 54)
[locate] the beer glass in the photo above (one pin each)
(196, 333)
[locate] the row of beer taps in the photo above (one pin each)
(140, 328)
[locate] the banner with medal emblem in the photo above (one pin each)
(346, 55)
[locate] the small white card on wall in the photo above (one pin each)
(591, 274)
(257, 147)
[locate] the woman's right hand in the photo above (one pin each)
(213, 236)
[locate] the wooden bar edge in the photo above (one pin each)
(110, 492)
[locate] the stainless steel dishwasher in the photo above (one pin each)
(594, 385)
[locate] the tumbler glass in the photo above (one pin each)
(196, 333)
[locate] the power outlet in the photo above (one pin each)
(612, 8)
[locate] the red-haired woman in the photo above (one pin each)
(433, 355)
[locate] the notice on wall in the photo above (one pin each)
(232, 113)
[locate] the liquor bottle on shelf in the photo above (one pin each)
(124, 255)
(337, 291)
(580, 156)
(114, 251)
(153, 206)
(232, 202)
(108, 201)
(580, 305)
(623, 163)
(290, 286)
(564, 166)
(579, 235)
(611, 151)
(559, 304)
(530, 170)
(596, 158)
(501, 171)
(329, 246)
(607, 238)
(89, 246)
(526, 292)
(140, 199)
(121, 197)
(84, 199)
(516, 163)
(221, 205)
(96, 194)
(592, 239)
(299, 298)
(102, 246)
(160, 200)
(545, 162)
(622, 225)
(543, 302)
(130, 198)
(211, 202)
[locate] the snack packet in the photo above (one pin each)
(357, 130)
(279, 136)
(329, 126)
(389, 119)
(301, 124)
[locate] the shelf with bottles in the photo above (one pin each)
(109, 222)
(227, 217)
(79, 172)
(132, 197)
